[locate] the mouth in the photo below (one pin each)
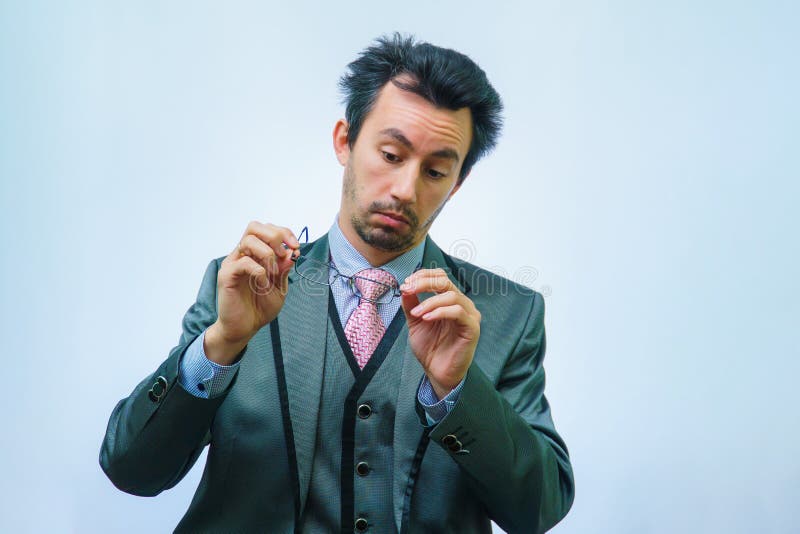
(392, 215)
(391, 218)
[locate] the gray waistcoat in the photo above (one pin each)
(340, 488)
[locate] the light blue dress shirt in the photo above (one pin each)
(203, 378)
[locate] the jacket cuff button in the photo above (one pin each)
(449, 440)
(455, 447)
(158, 389)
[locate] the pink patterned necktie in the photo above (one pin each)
(365, 328)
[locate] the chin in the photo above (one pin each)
(387, 239)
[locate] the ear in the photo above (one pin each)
(340, 145)
(456, 188)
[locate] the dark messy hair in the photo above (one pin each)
(444, 77)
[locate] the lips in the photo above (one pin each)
(395, 216)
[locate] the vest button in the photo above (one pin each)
(361, 524)
(364, 411)
(362, 468)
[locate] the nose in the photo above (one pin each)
(404, 184)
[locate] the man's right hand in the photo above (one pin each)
(251, 288)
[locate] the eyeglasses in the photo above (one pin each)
(326, 273)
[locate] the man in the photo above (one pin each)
(398, 390)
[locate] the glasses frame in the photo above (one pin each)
(393, 291)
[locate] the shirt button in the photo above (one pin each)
(364, 411)
(361, 524)
(362, 469)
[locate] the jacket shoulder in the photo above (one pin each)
(480, 283)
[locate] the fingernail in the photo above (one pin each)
(416, 310)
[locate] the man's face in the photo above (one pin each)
(401, 170)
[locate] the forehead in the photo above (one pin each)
(427, 127)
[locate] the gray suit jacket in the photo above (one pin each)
(496, 455)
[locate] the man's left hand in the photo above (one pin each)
(443, 330)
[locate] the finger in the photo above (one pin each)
(454, 312)
(245, 267)
(442, 299)
(252, 246)
(428, 280)
(275, 237)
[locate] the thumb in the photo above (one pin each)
(283, 278)
(285, 262)
(408, 302)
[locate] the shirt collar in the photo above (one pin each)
(349, 261)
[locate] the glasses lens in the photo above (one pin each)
(313, 270)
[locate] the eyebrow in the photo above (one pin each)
(397, 135)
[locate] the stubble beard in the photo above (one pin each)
(384, 238)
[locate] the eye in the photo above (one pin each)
(435, 174)
(391, 158)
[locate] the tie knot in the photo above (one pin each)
(372, 284)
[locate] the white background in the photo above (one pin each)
(648, 172)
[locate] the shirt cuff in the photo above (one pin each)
(436, 409)
(200, 376)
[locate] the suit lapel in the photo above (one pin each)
(303, 325)
(408, 432)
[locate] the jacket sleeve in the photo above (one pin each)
(155, 435)
(503, 438)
